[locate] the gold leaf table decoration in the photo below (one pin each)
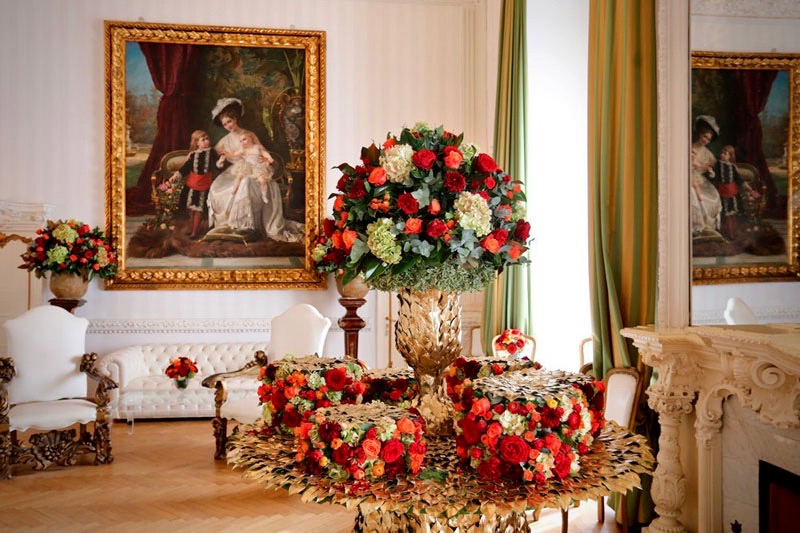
(444, 497)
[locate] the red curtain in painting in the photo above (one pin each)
(173, 69)
(754, 87)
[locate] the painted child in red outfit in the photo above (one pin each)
(198, 172)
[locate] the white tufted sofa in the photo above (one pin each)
(146, 392)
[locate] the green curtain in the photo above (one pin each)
(507, 300)
(623, 196)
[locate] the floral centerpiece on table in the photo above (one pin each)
(391, 386)
(70, 247)
(294, 387)
(464, 370)
(368, 442)
(425, 210)
(529, 426)
(510, 341)
(181, 369)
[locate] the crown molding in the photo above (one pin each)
(153, 326)
(16, 217)
(747, 8)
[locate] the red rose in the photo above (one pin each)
(329, 431)
(485, 163)
(490, 469)
(424, 159)
(342, 454)
(471, 430)
(501, 235)
(394, 469)
(562, 466)
(342, 183)
(490, 182)
(357, 191)
(328, 227)
(278, 399)
(336, 378)
(407, 203)
(574, 420)
(514, 449)
(292, 418)
(454, 182)
(392, 450)
(522, 230)
(436, 228)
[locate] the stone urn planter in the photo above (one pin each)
(68, 286)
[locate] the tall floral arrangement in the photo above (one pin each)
(70, 247)
(424, 211)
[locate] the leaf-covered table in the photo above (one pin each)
(444, 497)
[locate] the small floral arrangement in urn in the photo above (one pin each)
(70, 247)
(181, 370)
(511, 341)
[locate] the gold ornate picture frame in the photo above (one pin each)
(240, 209)
(745, 167)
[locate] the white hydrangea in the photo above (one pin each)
(472, 212)
(513, 424)
(397, 163)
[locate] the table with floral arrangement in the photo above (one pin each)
(448, 493)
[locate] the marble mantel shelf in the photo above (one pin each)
(699, 368)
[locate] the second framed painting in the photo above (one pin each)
(215, 153)
(744, 192)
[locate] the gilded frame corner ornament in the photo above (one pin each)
(718, 81)
(253, 56)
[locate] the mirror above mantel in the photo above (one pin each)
(740, 28)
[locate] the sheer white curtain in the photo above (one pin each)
(558, 34)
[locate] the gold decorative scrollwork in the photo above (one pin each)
(5, 239)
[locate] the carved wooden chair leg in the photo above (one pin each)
(601, 509)
(102, 443)
(564, 520)
(220, 426)
(5, 455)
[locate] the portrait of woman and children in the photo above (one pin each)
(229, 196)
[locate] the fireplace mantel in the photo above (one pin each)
(699, 368)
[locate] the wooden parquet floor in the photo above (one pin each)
(164, 478)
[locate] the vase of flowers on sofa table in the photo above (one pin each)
(429, 217)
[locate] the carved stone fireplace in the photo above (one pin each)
(741, 387)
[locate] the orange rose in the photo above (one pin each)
(377, 176)
(494, 430)
(490, 244)
(337, 240)
(552, 442)
(416, 462)
(338, 202)
(515, 252)
(435, 207)
(405, 425)
(453, 159)
(372, 448)
(377, 470)
(349, 237)
(413, 226)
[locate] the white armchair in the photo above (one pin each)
(301, 330)
(738, 312)
(42, 389)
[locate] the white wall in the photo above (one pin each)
(390, 63)
(734, 28)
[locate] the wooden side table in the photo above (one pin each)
(67, 304)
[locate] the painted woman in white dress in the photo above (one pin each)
(243, 208)
(706, 204)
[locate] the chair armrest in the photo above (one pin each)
(104, 383)
(260, 359)
(217, 381)
(7, 372)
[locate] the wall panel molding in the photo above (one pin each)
(747, 8)
(153, 326)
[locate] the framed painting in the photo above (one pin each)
(744, 192)
(215, 146)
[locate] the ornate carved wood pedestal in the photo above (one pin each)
(67, 304)
(351, 323)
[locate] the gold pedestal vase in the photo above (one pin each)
(68, 286)
(428, 333)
